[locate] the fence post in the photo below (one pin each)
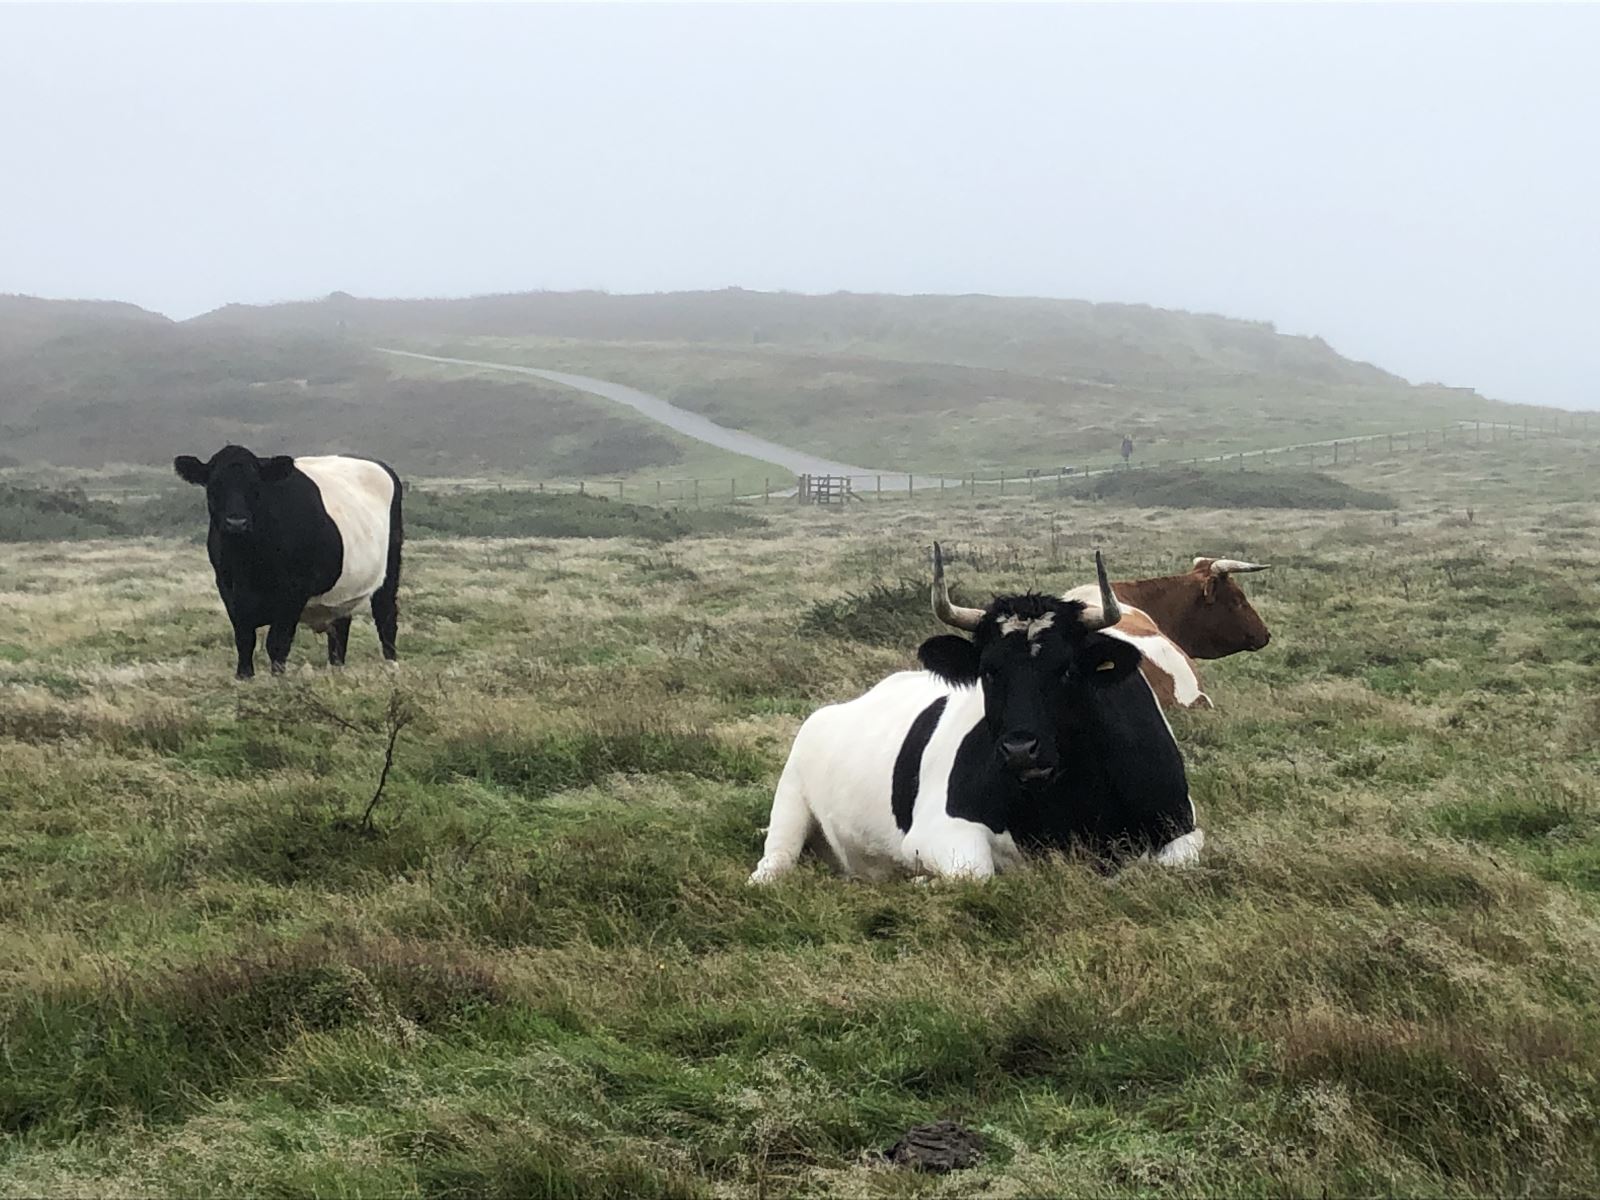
(580, 487)
(697, 492)
(541, 487)
(880, 487)
(766, 491)
(1391, 443)
(941, 487)
(1002, 483)
(658, 491)
(911, 485)
(1477, 432)
(1336, 454)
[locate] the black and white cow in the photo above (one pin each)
(1038, 733)
(300, 541)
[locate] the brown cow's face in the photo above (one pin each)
(1222, 620)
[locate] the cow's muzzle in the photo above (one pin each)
(1020, 754)
(235, 524)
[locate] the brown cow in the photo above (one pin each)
(1176, 619)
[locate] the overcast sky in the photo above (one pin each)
(1419, 185)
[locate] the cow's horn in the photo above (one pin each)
(1110, 611)
(950, 614)
(1234, 566)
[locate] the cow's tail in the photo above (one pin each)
(789, 827)
(386, 600)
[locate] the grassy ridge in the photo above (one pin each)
(1220, 488)
(46, 514)
(540, 971)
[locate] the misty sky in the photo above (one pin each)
(1419, 185)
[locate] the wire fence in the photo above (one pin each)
(1024, 481)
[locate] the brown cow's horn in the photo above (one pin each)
(1110, 611)
(950, 614)
(1233, 566)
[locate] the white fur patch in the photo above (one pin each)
(1033, 629)
(356, 494)
(1182, 851)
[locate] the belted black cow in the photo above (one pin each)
(300, 541)
(1039, 733)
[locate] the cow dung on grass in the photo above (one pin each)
(941, 1147)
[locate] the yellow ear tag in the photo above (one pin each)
(1108, 665)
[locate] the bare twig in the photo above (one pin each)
(400, 713)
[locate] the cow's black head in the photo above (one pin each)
(233, 480)
(1039, 659)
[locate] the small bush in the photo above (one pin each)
(31, 514)
(886, 614)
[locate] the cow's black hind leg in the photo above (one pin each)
(244, 640)
(386, 615)
(338, 641)
(280, 636)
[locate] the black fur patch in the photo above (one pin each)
(908, 763)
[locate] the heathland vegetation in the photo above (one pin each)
(527, 963)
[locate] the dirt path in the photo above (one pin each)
(690, 424)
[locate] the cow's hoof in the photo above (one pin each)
(278, 668)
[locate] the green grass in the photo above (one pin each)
(539, 970)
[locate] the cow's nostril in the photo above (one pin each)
(1020, 748)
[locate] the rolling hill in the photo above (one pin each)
(926, 383)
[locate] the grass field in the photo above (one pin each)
(537, 969)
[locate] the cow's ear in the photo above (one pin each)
(191, 470)
(1107, 660)
(951, 658)
(276, 469)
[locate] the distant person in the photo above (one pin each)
(1127, 447)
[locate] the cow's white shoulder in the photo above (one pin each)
(357, 494)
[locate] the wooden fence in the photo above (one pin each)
(840, 489)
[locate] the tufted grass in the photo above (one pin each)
(540, 970)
